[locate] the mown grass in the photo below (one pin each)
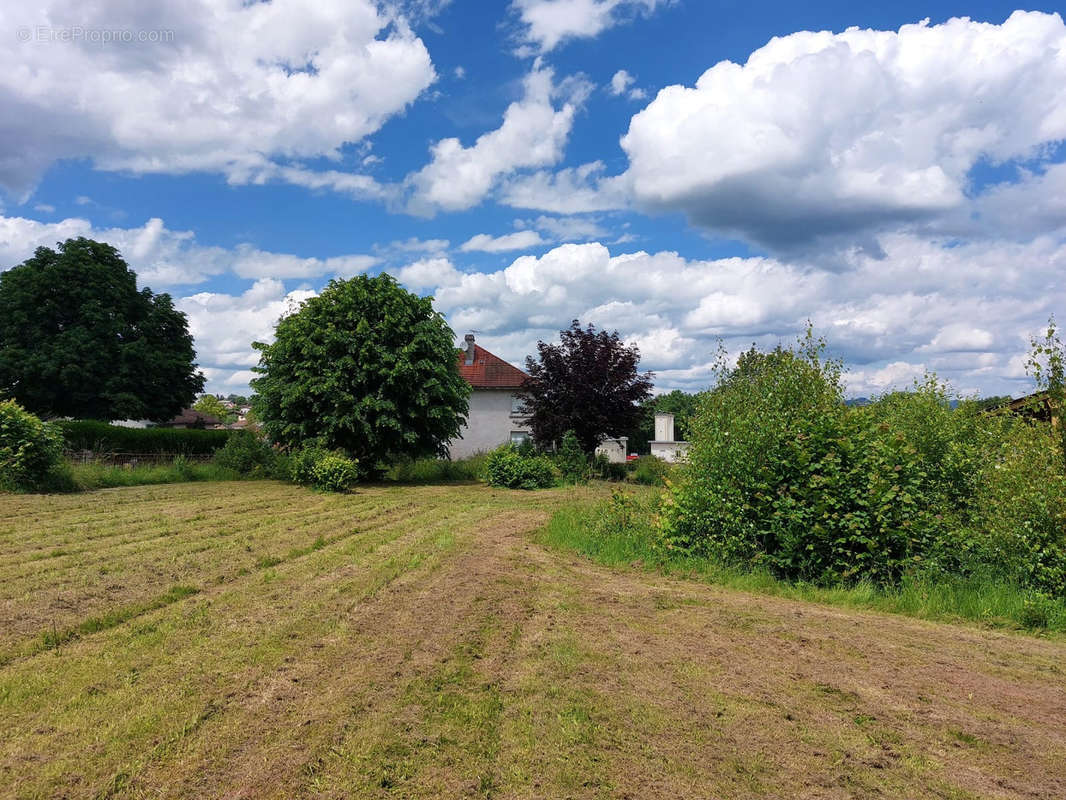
(256, 639)
(621, 532)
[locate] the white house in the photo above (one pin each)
(664, 446)
(494, 416)
(615, 450)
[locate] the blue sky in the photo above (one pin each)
(901, 184)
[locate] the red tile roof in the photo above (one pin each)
(489, 371)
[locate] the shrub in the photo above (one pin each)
(604, 469)
(1017, 526)
(649, 471)
(325, 470)
(436, 470)
(334, 472)
(30, 450)
(783, 475)
(83, 434)
(302, 464)
(248, 454)
(571, 460)
(507, 468)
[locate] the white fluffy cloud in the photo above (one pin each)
(224, 326)
(519, 240)
(219, 85)
(572, 190)
(821, 134)
(533, 134)
(621, 82)
(890, 318)
(163, 258)
(566, 229)
(549, 22)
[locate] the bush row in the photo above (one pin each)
(31, 460)
(782, 475)
(101, 437)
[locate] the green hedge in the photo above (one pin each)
(506, 467)
(783, 476)
(103, 438)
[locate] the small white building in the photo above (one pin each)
(495, 404)
(664, 446)
(615, 450)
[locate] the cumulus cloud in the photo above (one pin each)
(572, 190)
(566, 229)
(225, 325)
(621, 82)
(163, 258)
(229, 87)
(838, 134)
(519, 240)
(533, 134)
(547, 23)
(891, 317)
(428, 273)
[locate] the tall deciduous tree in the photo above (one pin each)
(366, 367)
(588, 383)
(78, 339)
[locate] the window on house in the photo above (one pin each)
(516, 404)
(519, 437)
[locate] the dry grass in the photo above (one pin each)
(257, 640)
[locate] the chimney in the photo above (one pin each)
(664, 427)
(469, 339)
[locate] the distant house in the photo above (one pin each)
(191, 418)
(615, 450)
(663, 445)
(1036, 406)
(495, 404)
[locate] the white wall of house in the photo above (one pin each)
(614, 449)
(669, 451)
(664, 446)
(490, 423)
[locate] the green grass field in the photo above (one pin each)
(254, 639)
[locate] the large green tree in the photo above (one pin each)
(79, 339)
(366, 367)
(588, 384)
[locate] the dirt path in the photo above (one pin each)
(455, 657)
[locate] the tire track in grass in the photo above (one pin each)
(438, 731)
(403, 626)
